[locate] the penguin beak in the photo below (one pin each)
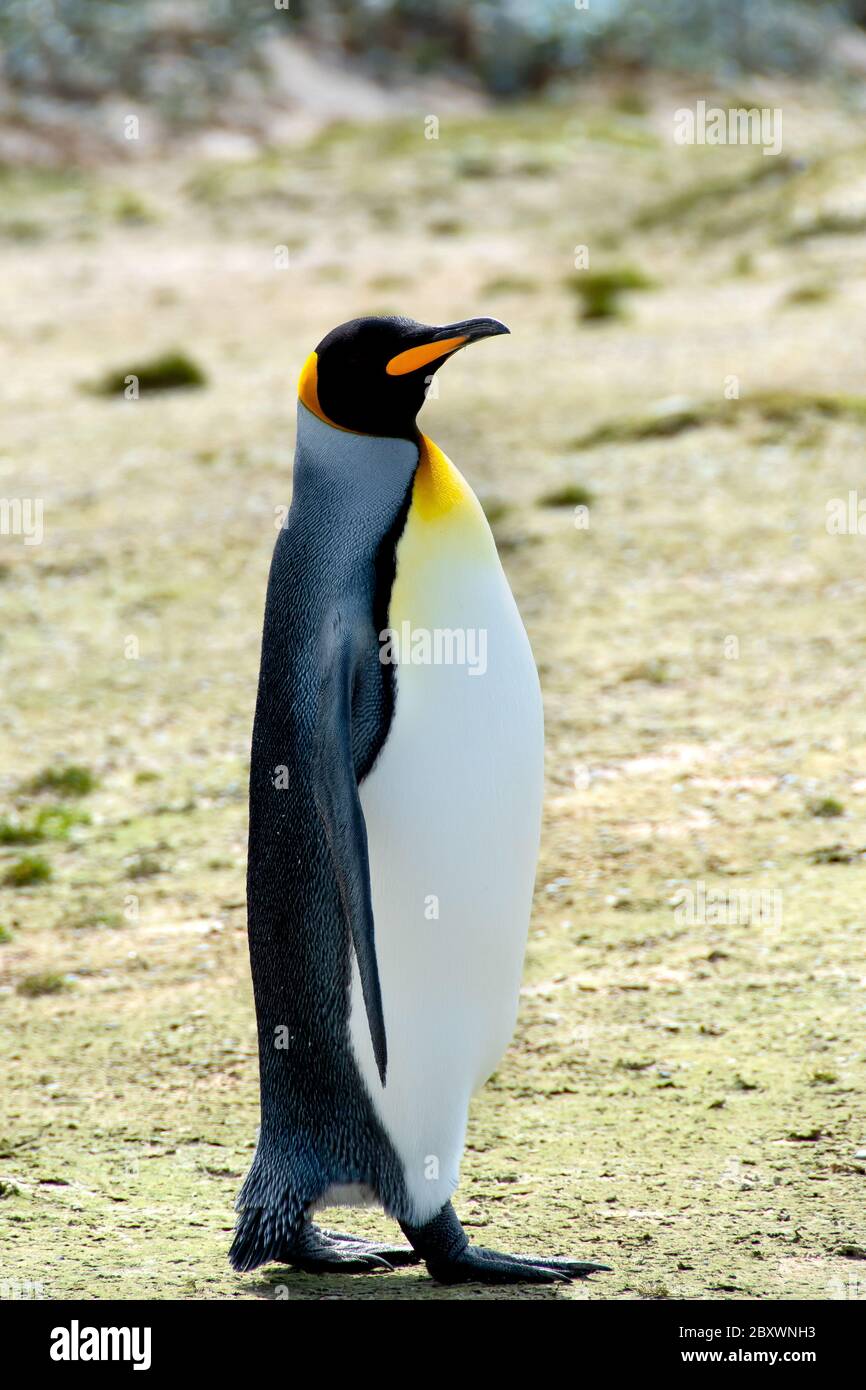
(472, 330)
(442, 342)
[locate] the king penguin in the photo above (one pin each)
(395, 807)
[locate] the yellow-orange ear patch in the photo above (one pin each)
(308, 391)
(308, 385)
(413, 358)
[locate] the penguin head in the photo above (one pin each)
(370, 375)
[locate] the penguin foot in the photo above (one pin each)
(444, 1246)
(477, 1265)
(330, 1252)
(395, 1255)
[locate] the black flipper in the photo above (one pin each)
(339, 805)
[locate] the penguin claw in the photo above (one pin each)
(371, 1261)
(576, 1269)
(336, 1262)
(477, 1265)
(317, 1251)
(394, 1255)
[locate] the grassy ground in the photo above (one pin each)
(684, 1095)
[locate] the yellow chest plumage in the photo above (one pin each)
(446, 533)
(439, 488)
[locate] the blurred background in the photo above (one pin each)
(669, 449)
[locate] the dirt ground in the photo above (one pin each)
(683, 1098)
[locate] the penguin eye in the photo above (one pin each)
(415, 357)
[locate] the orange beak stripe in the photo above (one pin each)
(413, 358)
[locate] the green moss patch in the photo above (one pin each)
(780, 407)
(568, 495)
(67, 781)
(43, 982)
(172, 371)
(51, 823)
(25, 872)
(600, 291)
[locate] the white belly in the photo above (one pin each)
(453, 811)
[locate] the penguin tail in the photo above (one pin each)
(270, 1215)
(261, 1237)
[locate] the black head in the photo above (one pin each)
(371, 375)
